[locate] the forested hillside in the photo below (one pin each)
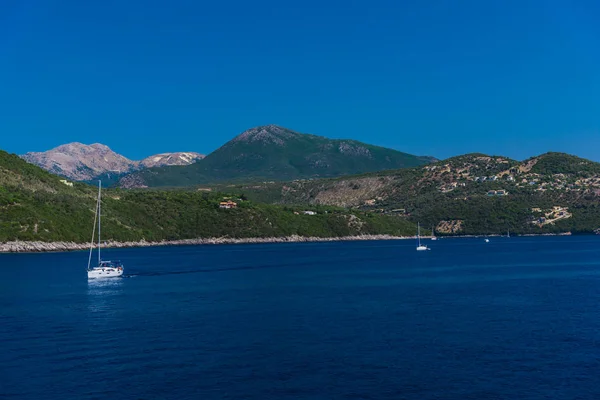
(471, 194)
(36, 205)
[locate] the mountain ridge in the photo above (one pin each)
(472, 194)
(273, 152)
(81, 162)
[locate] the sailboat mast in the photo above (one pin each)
(99, 216)
(93, 235)
(418, 234)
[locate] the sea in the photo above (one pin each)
(515, 318)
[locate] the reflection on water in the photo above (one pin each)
(101, 285)
(103, 294)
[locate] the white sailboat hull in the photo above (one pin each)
(420, 247)
(97, 273)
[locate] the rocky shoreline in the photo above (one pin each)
(46, 247)
(38, 247)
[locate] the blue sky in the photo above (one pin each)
(439, 78)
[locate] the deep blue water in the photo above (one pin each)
(516, 318)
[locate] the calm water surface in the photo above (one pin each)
(516, 318)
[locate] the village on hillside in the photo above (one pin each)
(550, 216)
(520, 176)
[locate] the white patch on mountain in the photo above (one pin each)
(83, 162)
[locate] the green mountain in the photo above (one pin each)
(470, 194)
(275, 153)
(36, 205)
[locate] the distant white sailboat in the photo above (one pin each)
(420, 247)
(433, 237)
(485, 238)
(104, 269)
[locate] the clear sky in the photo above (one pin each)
(439, 78)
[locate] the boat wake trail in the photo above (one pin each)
(221, 269)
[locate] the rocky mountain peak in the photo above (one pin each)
(82, 162)
(266, 134)
(164, 159)
(78, 161)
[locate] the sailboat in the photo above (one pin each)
(104, 269)
(433, 237)
(420, 247)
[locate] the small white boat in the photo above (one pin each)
(420, 247)
(433, 237)
(104, 269)
(487, 240)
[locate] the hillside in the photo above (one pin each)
(471, 194)
(82, 162)
(36, 205)
(275, 153)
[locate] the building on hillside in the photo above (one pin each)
(66, 182)
(228, 204)
(309, 212)
(398, 211)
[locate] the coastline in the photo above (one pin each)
(18, 246)
(46, 247)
